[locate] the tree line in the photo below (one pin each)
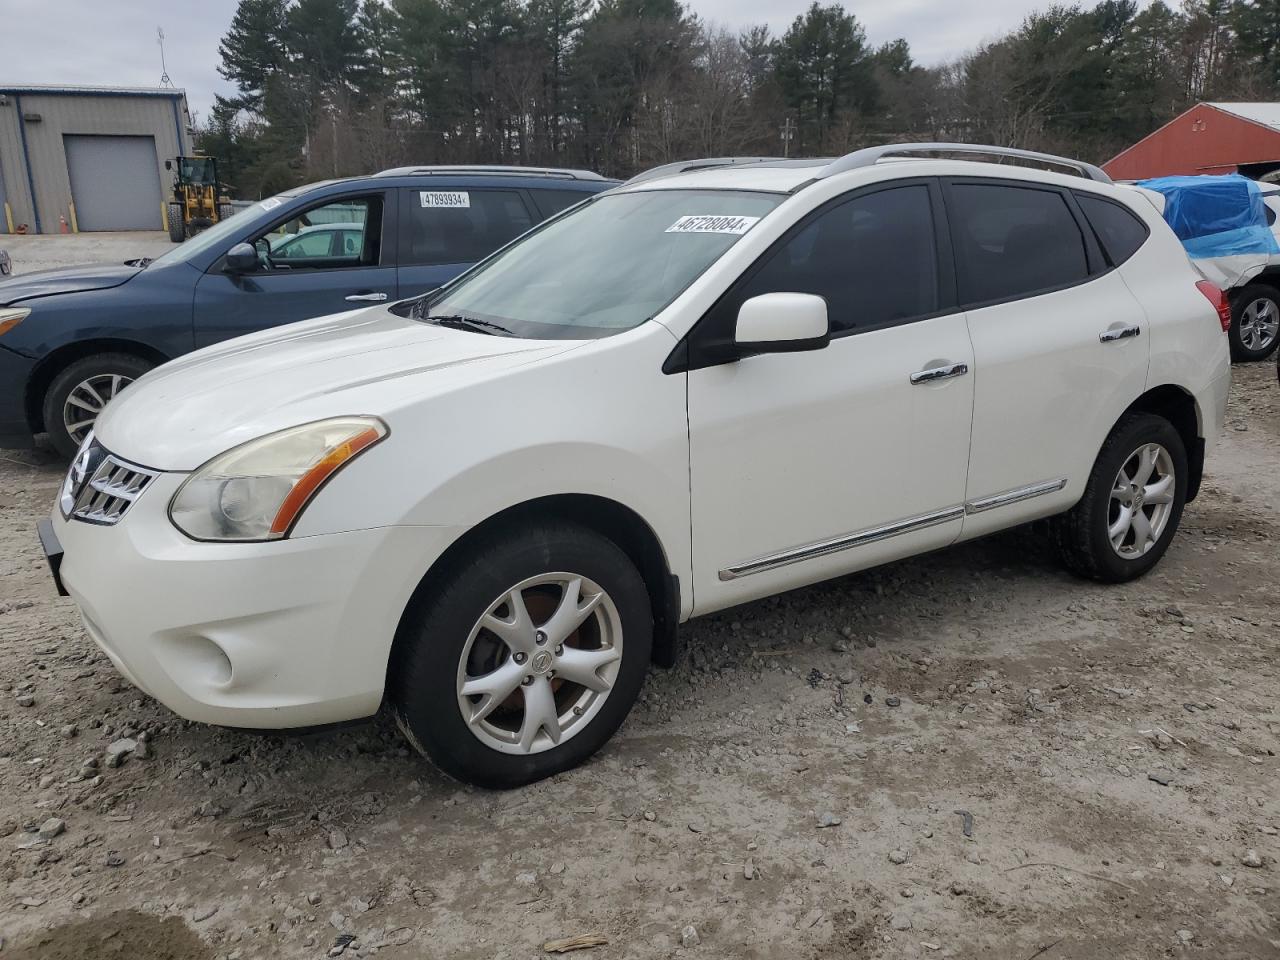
(330, 88)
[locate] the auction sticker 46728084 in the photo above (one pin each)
(713, 223)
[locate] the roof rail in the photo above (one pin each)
(873, 155)
(491, 170)
(689, 166)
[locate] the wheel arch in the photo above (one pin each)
(619, 523)
(58, 360)
(1179, 407)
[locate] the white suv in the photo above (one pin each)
(491, 506)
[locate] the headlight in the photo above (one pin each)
(257, 490)
(10, 317)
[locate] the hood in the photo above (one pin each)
(365, 362)
(46, 283)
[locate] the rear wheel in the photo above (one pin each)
(1255, 322)
(79, 392)
(1132, 504)
(526, 658)
(177, 229)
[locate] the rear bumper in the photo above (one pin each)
(15, 371)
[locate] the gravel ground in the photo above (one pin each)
(970, 754)
(46, 252)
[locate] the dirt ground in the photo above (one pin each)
(1114, 747)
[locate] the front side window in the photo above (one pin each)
(608, 266)
(1013, 241)
(341, 234)
(461, 226)
(872, 258)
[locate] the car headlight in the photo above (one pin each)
(257, 491)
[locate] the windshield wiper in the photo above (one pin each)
(473, 324)
(140, 262)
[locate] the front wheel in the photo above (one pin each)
(1132, 504)
(79, 392)
(1255, 322)
(526, 658)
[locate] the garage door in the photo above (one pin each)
(115, 182)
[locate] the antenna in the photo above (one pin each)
(164, 70)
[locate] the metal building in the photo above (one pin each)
(88, 158)
(1208, 138)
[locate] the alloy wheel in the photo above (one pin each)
(87, 399)
(1259, 324)
(1141, 501)
(540, 663)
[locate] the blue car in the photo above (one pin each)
(71, 339)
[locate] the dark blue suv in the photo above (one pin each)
(71, 339)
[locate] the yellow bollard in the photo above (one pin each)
(8, 216)
(75, 227)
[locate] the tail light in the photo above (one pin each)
(1215, 295)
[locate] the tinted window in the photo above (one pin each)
(872, 259)
(342, 233)
(551, 202)
(462, 226)
(1120, 232)
(1013, 242)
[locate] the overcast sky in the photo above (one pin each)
(113, 42)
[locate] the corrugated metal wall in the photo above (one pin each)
(162, 117)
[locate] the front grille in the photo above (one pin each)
(100, 487)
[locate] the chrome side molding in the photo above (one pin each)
(1017, 495)
(861, 538)
(835, 545)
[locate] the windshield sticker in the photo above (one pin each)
(446, 199)
(713, 223)
(271, 203)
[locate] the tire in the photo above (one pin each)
(177, 229)
(1084, 534)
(72, 393)
(225, 210)
(1255, 322)
(442, 644)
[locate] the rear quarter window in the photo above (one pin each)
(551, 202)
(1120, 231)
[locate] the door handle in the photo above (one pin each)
(366, 298)
(1119, 333)
(940, 373)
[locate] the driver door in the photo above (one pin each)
(329, 258)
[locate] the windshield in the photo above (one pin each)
(605, 267)
(206, 239)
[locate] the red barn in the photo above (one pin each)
(1208, 138)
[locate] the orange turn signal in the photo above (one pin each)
(315, 478)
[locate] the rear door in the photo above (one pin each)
(1060, 346)
(444, 230)
(331, 256)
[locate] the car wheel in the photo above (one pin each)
(1132, 504)
(77, 394)
(177, 228)
(1255, 322)
(528, 655)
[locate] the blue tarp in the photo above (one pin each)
(1216, 216)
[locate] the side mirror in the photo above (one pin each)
(242, 258)
(783, 323)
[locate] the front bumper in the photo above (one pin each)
(15, 371)
(292, 633)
